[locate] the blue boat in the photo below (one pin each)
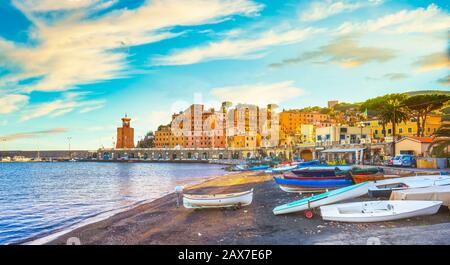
(255, 168)
(309, 163)
(311, 172)
(315, 184)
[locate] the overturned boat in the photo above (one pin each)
(218, 200)
(378, 211)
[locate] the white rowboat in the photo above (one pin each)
(434, 193)
(383, 188)
(378, 211)
(218, 200)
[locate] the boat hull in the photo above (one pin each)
(323, 199)
(378, 211)
(219, 200)
(316, 183)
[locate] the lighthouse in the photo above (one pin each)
(125, 134)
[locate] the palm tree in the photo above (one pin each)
(439, 146)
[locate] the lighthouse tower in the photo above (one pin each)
(125, 134)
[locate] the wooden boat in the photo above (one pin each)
(323, 199)
(433, 193)
(256, 168)
(286, 176)
(378, 211)
(366, 171)
(316, 184)
(300, 190)
(284, 168)
(307, 172)
(383, 188)
(373, 177)
(218, 200)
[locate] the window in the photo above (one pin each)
(400, 130)
(389, 131)
(327, 137)
(409, 130)
(376, 131)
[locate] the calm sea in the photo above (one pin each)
(39, 198)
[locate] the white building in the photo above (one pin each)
(343, 135)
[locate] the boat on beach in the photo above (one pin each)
(283, 168)
(434, 193)
(218, 200)
(378, 211)
(307, 185)
(383, 188)
(318, 200)
(308, 172)
(292, 176)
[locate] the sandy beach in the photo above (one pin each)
(161, 222)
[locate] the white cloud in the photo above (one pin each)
(75, 50)
(259, 94)
(423, 20)
(12, 102)
(70, 102)
(319, 10)
(52, 5)
(235, 48)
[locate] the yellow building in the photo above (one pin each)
(408, 128)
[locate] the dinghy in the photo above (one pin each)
(256, 168)
(284, 168)
(315, 178)
(434, 193)
(323, 199)
(307, 185)
(372, 177)
(308, 172)
(218, 200)
(378, 211)
(383, 188)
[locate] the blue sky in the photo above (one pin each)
(73, 68)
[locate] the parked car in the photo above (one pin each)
(404, 161)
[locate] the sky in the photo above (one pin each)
(71, 69)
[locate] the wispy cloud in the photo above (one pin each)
(343, 51)
(395, 76)
(74, 49)
(236, 47)
(319, 10)
(424, 20)
(35, 134)
(434, 61)
(259, 94)
(12, 102)
(68, 103)
(52, 5)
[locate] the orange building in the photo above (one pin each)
(125, 134)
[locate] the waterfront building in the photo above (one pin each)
(408, 128)
(343, 135)
(413, 145)
(125, 134)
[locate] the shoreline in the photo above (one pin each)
(161, 222)
(45, 238)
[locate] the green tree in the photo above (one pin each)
(148, 141)
(389, 109)
(439, 147)
(422, 105)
